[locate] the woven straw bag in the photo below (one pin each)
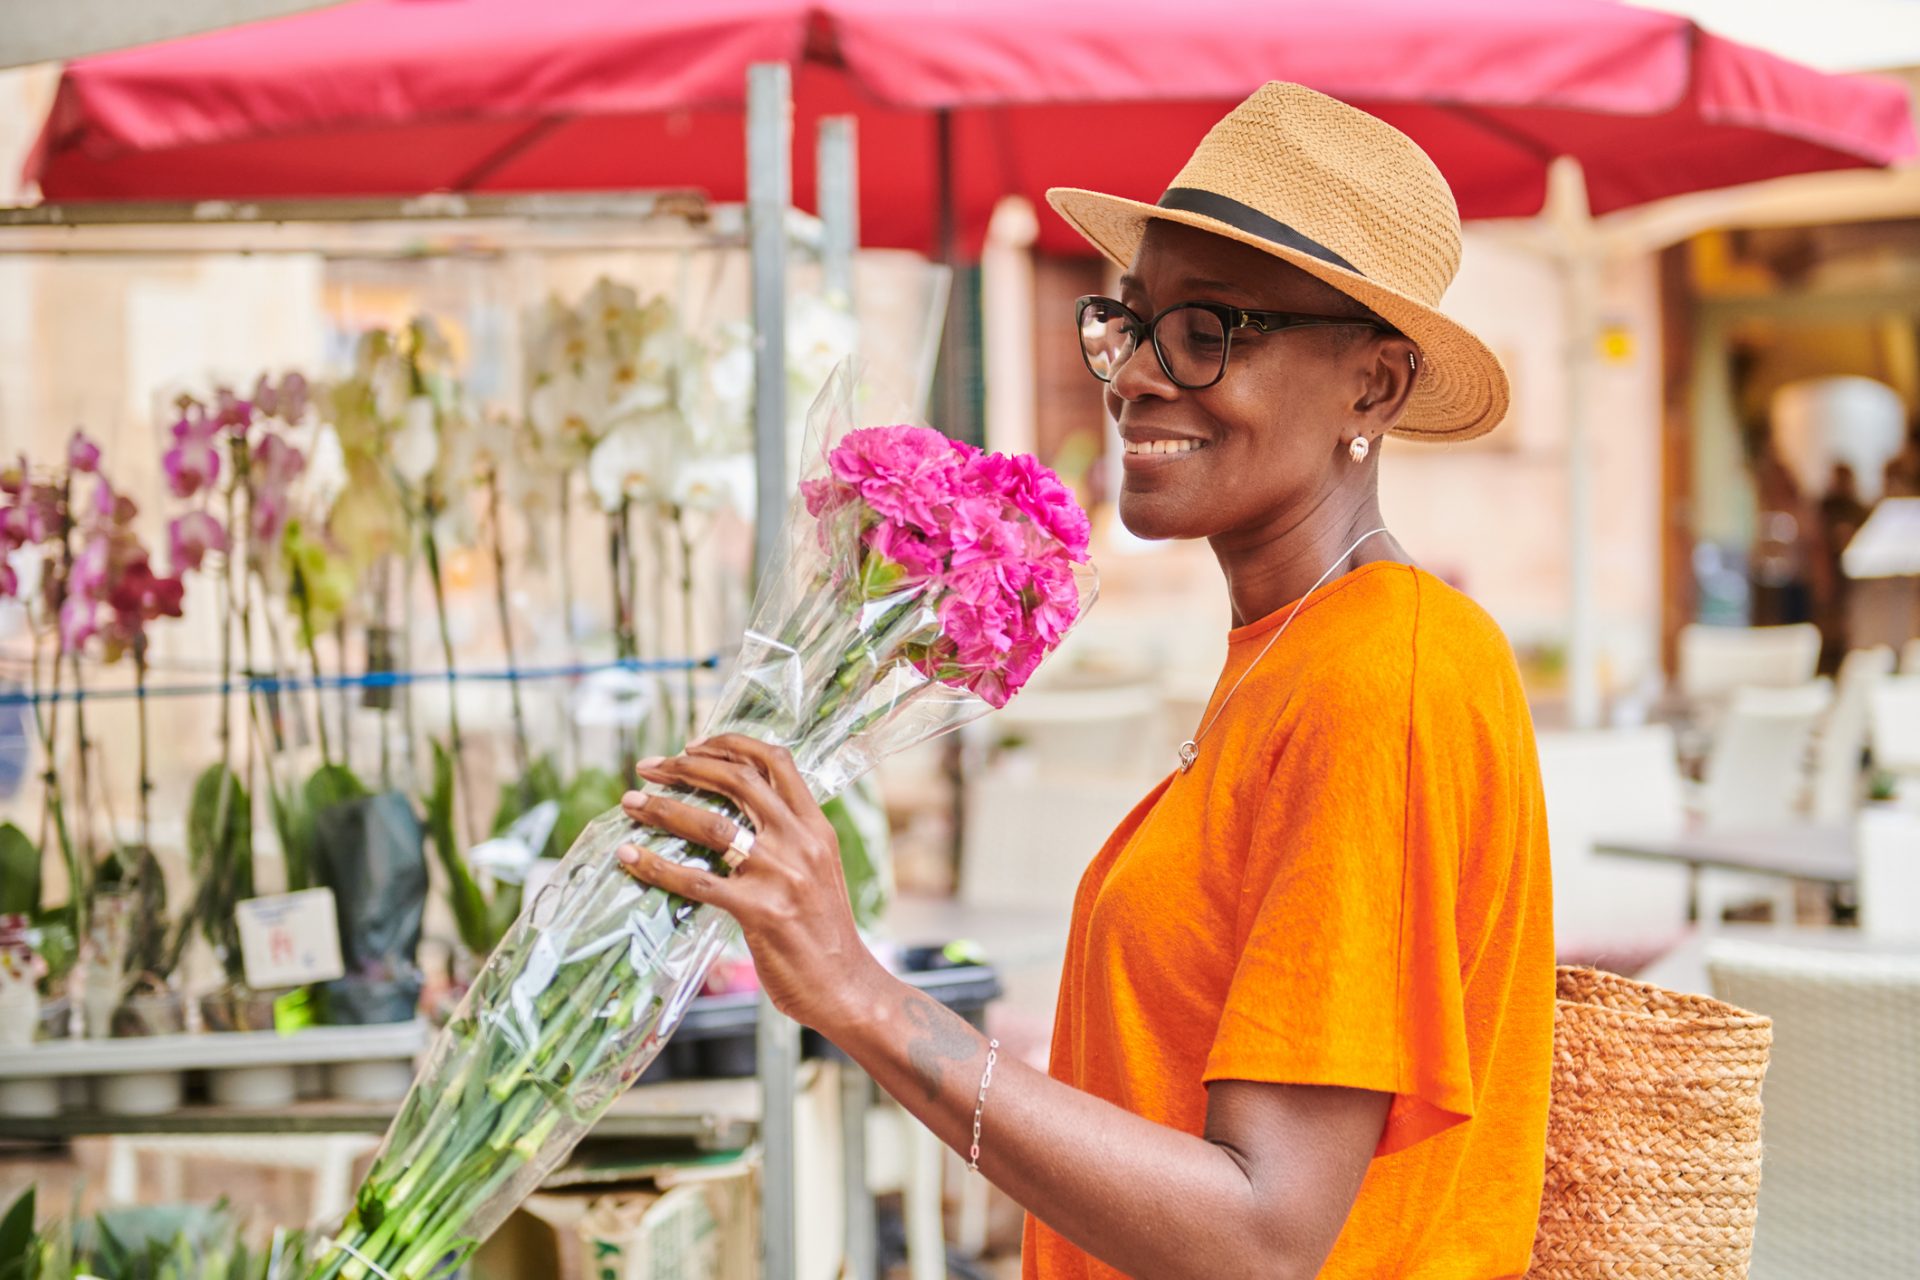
(1653, 1134)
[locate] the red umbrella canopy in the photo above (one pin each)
(400, 97)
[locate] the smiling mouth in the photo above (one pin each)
(1161, 448)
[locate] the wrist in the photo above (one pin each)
(859, 1001)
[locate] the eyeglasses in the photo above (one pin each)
(1190, 339)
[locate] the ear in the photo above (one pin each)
(1389, 371)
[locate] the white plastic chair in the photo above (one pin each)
(1717, 661)
(1035, 819)
(1842, 738)
(1609, 910)
(1756, 776)
(1756, 772)
(1841, 1173)
(1896, 725)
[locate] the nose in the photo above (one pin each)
(1140, 375)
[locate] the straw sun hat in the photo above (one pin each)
(1344, 197)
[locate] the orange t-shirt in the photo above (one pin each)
(1350, 887)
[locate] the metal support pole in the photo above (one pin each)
(856, 1099)
(769, 193)
(838, 175)
(1580, 262)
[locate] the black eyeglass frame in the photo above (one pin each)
(1231, 318)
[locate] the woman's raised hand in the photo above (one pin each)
(789, 893)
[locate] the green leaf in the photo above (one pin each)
(220, 848)
(859, 819)
(330, 785)
(470, 909)
(132, 868)
(333, 784)
(16, 1237)
(591, 793)
(502, 910)
(19, 872)
(56, 943)
(540, 782)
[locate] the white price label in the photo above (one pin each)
(290, 939)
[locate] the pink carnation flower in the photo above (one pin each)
(825, 495)
(1038, 493)
(906, 474)
(920, 557)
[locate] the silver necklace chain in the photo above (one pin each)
(1190, 749)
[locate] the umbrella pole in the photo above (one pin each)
(1578, 254)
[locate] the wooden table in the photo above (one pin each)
(1819, 852)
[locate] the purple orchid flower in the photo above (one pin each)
(82, 453)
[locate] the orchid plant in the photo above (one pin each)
(255, 504)
(95, 588)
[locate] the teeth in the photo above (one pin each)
(1139, 447)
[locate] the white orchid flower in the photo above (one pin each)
(325, 478)
(391, 386)
(562, 413)
(416, 446)
(432, 346)
(607, 302)
(714, 483)
(634, 460)
(820, 334)
(728, 400)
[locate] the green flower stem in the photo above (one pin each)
(344, 702)
(664, 743)
(408, 731)
(522, 753)
(570, 743)
(687, 638)
(67, 525)
(53, 806)
(140, 715)
(490, 1102)
(302, 599)
(431, 545)
(84, 747)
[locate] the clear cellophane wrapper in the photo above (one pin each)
(598, 971)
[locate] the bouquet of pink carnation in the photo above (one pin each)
(921, 581)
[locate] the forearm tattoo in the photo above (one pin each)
(939, 1038)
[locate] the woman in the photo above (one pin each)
(1306, 1017)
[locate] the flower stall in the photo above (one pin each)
(385, 539)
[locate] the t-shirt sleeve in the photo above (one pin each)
(1349, 971)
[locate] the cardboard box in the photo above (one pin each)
(681, 1222)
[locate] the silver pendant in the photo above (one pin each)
(1189, 752)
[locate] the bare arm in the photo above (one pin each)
(1263, 1193)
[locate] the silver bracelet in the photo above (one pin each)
(980, 1105)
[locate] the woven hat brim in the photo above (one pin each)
(1462, 392)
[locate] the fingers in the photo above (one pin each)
(741, 783)
(775, 764)
(703, 827)
(696, 883)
